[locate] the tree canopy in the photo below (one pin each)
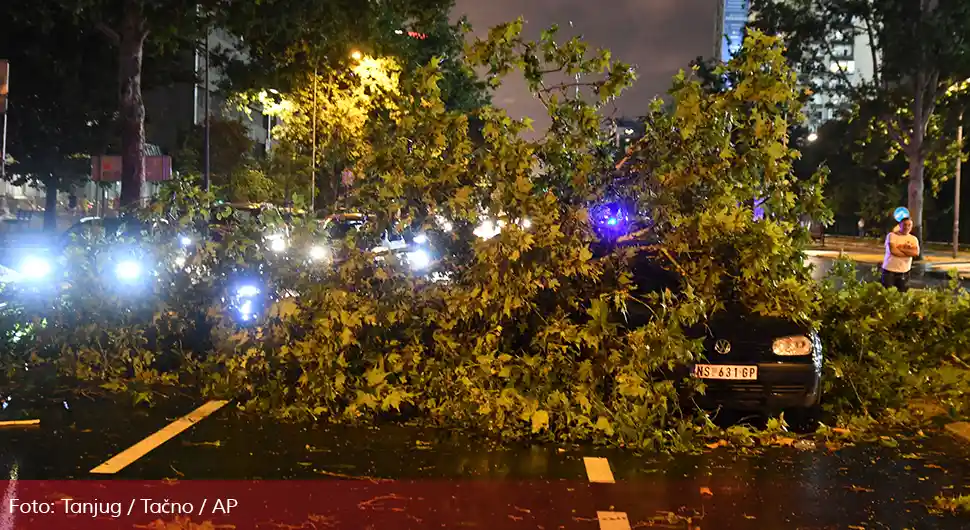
(918, 49)
(62, 102)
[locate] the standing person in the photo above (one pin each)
(901, 247)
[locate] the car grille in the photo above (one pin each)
(753, 388)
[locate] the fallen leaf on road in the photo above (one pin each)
(784, 441)
(746, 516)
(860, 488)
(934, 466)
(840, 430)
(719, 443)
(853, 527)
(707, 491)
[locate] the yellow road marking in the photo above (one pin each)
(598, 470)
(960, 429)
(142, 448)
(19, 423)
(613, 520)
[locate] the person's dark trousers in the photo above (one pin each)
(899, 280)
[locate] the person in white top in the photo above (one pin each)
(901, 248)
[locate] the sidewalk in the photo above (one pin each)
(936, 260)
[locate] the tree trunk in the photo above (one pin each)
(131, 50)
(916, 185)
(50, 205)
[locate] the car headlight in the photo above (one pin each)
(247, 291)
(319, 253)
(35, 268)
(246, 309)
(128, 270)
(792, 346)
(419, 259)
(487, 230)
(277, 243)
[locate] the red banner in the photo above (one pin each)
(108, 168)
(339, 504)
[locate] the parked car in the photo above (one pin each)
(750, 362)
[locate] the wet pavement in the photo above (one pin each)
(403, 477)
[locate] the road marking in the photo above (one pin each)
(598, 470)
(960, 429)
(19, 423)
(613, 520)
(142, 448)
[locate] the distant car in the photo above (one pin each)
(413, 248)
(750, 362)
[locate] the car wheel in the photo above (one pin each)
(804, 420)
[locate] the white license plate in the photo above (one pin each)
(726, 371)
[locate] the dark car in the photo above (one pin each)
(750, 362)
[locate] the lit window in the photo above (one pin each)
(847, 66)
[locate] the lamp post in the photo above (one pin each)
(313, 150)
(956, 197)
(955, 88)
(206, 178)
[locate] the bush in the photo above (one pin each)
(887, 348)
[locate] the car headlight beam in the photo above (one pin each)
(128, 270)
(35, 268)
(247, 291)
(319, 253)
(793, 346)
(419, 259)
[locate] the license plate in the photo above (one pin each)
(725, 371)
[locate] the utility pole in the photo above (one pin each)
(206, 179)
(313, 150)
(956, 197)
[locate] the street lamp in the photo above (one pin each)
(356, 55)
(958, 87)
(812, 137)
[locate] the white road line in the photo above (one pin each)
(613, 520)
(19, 423)
(142, 448)
(598, 470)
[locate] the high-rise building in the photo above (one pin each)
(732, 17)
(851, 63)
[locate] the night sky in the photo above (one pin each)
(658, 37)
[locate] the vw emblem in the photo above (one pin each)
(723, 347)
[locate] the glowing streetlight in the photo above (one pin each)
(356, 55)
(812, 137)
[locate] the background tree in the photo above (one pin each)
(231, 152)
(63, 105)
(918, 49)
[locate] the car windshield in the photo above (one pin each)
(342, 229)
(110, 227)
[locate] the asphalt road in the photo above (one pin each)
(401, 477)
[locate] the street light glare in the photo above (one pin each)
(356, 55)
(812, 137)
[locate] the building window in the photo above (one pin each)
(846, 66)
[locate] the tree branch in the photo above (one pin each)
(108, 32)
(870, 31)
